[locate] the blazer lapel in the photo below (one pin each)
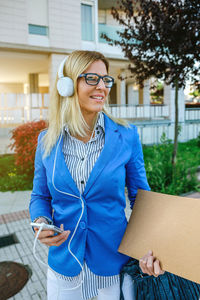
(110, 146)
(62, 177)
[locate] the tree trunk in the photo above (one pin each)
(174, 154)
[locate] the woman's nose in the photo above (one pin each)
(101, 84)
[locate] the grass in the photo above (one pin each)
(13, 179)
(162, 177)
(188, 152)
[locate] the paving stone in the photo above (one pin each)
(18, 297)
(44, 281)
(19, 260)
(25, 260)
(24, 295)
(3, 230)
(23, 253)
(38, 286)
(34, 277)
(35, 297)
(43, 295)
(14, 252)
(31, 288)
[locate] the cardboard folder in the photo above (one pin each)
(170, 227)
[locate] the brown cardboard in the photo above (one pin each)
(170, 227)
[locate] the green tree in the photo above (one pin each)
(160, 39)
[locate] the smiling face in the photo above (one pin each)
(92, 98)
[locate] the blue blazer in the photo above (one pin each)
(103, 222)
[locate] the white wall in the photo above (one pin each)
(37, 12)
(65, 24)
(63, 17)
(13, 21)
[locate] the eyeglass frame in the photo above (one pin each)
(99, 78)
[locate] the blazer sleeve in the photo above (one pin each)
(40, 204)
(135, 170)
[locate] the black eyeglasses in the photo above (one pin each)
(93, 79)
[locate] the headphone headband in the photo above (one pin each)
(61, 67)
(65, 85)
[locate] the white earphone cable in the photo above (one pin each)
(82, 211)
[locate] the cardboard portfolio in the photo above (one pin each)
(170, 227)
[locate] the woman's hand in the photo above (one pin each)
(48, 238)
(150, 265)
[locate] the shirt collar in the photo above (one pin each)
(100, 123)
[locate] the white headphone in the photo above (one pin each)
(65, 85)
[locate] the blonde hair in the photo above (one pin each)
(66, 110)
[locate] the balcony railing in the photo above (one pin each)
(144, 112)
(110, 31)
(192, 114)
(19, 108)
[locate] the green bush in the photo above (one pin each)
(160, 174)
(198, 140)
(157, 162)
(11, 177)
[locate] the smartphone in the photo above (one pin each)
(47, 226)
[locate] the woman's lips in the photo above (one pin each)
(97, 98)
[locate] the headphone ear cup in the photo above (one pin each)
(65, 87)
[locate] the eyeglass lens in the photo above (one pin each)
(93, 79)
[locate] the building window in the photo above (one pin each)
(37, 29)
(87, 23)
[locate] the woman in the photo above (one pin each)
(83, 162)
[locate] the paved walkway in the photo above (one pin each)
(14, 219)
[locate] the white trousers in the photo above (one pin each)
(55, 290)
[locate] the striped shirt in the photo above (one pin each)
(80, 159)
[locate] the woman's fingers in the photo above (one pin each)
(44, 233)
(48, 238)
(56, 240)
(157, 269)
(150, 265)
(146, 263)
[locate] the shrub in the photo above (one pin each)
(198, 140)
(160, 171)
(24, 144)
(11, 177)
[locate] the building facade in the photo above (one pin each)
(35, 35)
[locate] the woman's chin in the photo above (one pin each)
(99, 108)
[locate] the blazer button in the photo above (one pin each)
(82, 225)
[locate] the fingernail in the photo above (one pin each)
(144, 261)
(67, 232)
